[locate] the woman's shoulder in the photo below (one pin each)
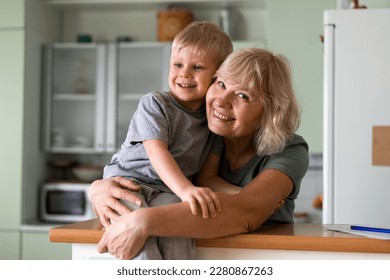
(297, 140)
(295, 153)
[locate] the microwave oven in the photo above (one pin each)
(65, 203)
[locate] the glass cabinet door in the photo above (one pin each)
(75, 97)
(136, 69)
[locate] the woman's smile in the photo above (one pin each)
(222, 116)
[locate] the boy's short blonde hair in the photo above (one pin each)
(268, 76)
(206, 38)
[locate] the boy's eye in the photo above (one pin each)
(198, 67)
(178, 65)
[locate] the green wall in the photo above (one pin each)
(293, 29)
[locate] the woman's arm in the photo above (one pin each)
(242, 212)
(208, 176)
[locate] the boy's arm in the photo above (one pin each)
(208, 176)
(170, 173)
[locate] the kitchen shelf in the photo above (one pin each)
(73, 150)
(156, 3)
(74, 96)
(131, 96)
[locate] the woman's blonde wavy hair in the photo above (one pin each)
(269, 77)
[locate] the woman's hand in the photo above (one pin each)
(124, 238)
(105, 194)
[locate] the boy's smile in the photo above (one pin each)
(190, 75)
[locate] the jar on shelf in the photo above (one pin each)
(81, 81)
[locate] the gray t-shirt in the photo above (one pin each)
(160, 116)
(293, 161)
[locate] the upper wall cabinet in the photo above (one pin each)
(155, 2)
(134, 70)
(75, 97)
(92, 90)
(107, 20)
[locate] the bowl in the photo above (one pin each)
(88, 173)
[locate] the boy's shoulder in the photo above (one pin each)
(156, 95)
(157, 99)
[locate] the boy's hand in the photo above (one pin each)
(205, 198)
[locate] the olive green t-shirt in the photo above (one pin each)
(293, 161)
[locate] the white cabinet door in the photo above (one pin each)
(136, 69)
(75, 97)
(92, 91)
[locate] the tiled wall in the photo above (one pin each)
(311, 187)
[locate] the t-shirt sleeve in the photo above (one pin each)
(218, 144)
(293, 161)
(149, 121)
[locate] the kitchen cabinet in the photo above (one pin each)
(36, 246)
(11, 108)
(74, 88)
(92, 90)
(22, 26)
(10, 245)
(12, 39)
(138, 19)
(134, 70)
(11, 13)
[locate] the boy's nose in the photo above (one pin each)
(185, 73)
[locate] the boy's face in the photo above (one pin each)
(190, 76)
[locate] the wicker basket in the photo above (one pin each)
(171, 22)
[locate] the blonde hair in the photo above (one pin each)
(204, 37)
(269, 77)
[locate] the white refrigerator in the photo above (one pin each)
(357, 117)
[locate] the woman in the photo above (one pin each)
(252, 105)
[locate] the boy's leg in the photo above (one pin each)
(173, 248)
(133, 206)
(151, 250)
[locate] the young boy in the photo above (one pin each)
(168, 139)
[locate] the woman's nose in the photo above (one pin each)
(223, 99)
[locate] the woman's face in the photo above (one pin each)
(232, 111)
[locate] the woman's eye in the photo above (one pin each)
(221, 84)
(243, 96)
